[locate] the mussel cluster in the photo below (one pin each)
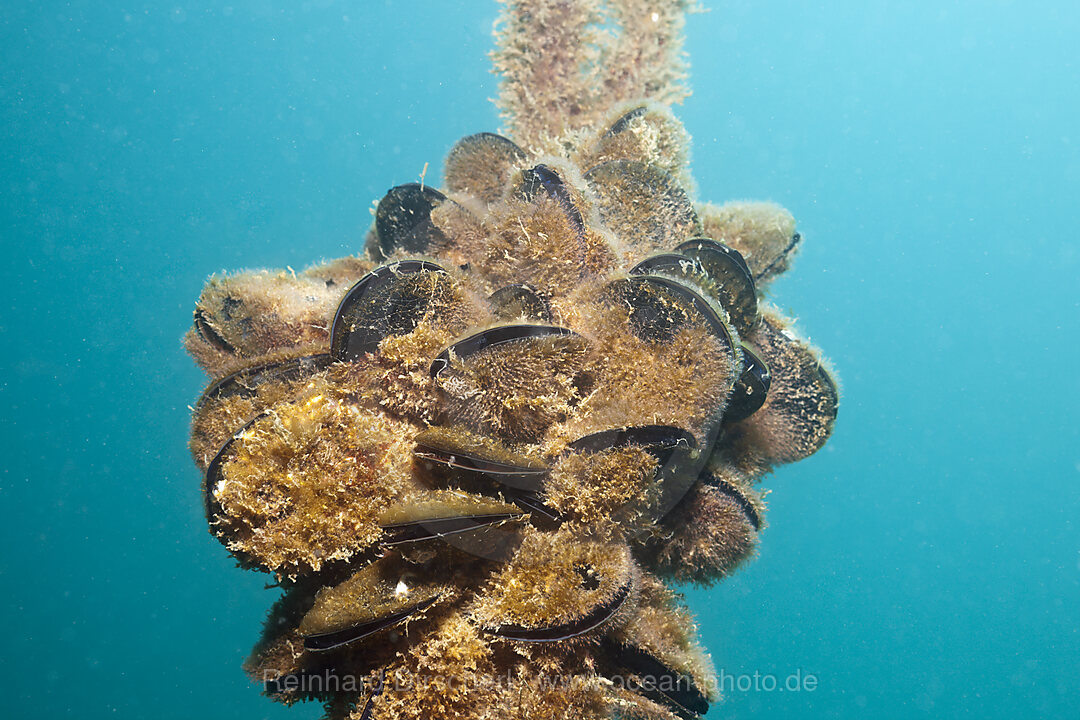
(473, 456)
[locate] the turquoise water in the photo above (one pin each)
(925, 564)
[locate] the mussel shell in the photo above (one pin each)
(439, 528)
(493, 337)
(379, 595)
(321, 642)
(738, 299)
(480, 164)
(206, 330)
(390, 300)
(246, 382)
(624, 121)
(460, 463)
(778, 264)
(751, 390)
(520, 301)
(731, 278)
(660, 306)
(712, 253)
(660, 441)
(735, 493)
(474, 523)
(670, 264)
(403, 220)
(800, 409)
(642, 203)
(661, 683)
(565, 631)
(214, 473)
(542, 516)
(542, 179)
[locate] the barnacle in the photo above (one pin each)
(473, 456)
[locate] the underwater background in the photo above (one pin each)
(925, 563)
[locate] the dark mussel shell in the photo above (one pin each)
(369, 705)
(660, 306)
(321, 642)
(554, 633)
(492, 337)
(542, 515)
(390, 300)
(520, 301)
(480, 164)
(712, 255)
(474, 470)
(674, 264)
(660, 441)
(214, 473)
(246, 382)
(403, 220)
(642, 203)
(657, 681)
(736, 494)
(542, 179)
(205, 329)
(731, 279)
(457, 464)
(779, 261)
(438, 528)
(751, 389)
(624, 121)
(801, 407)
(479, 525)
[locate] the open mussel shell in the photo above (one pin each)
(493, 338)
(660, 441)
(642, 204)
(480, 165)
(513, 302)
(375, 598)
(730, 279)
(390, 300)
(403, 220)
(673, 448)
(557, 587)
(660, 307)
(751, 390)
(650, 677)
(245, 383)
(736, 296)
(714, 256)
